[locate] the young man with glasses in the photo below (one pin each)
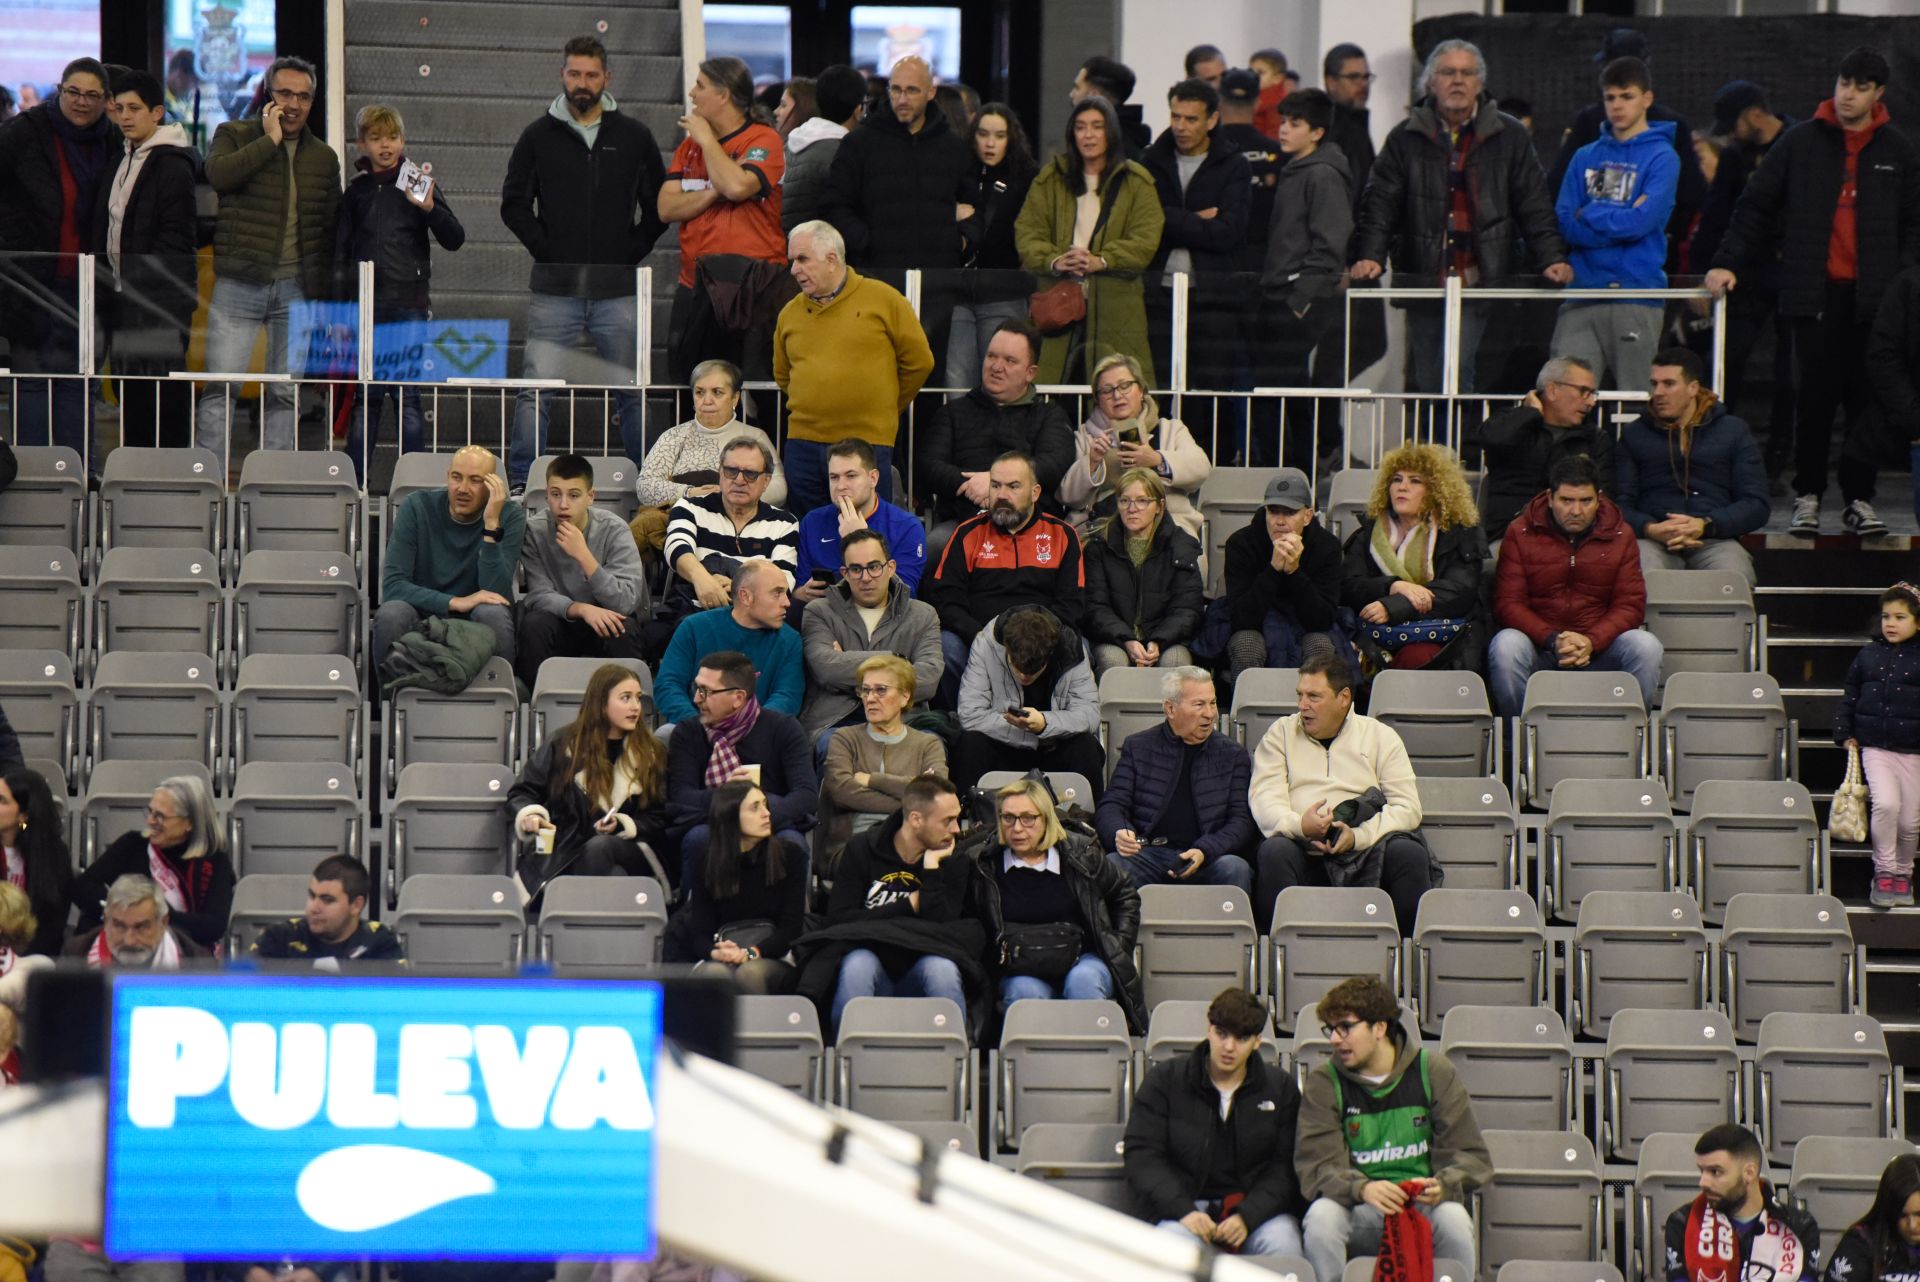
(853, 490)
(1380, 1115)
(1521, 445)
(710, 535)
(869, 612)
(756, 626)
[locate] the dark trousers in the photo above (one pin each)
(1298, 351)
(1749, 317)
(1832, 347)
(154, 410)
(544, 636)
(977, 753)
(1285, 862)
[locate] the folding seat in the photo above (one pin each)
(1835, 1178)
(1361, 1269)
(158, 599)
(1470, 827)
(56, 777)
(777, 1039)
(1129, 701)
(1786, 953)
(1722, 725)
(259, 900)
(1749, 836)
(1666, 1070)
(298, 707)
(1705, 621)
(448, 818)
(1324, 934)
(41, 586)
(1636, 949)
(1607, 834)
(286, 817)
(154, 707)
(904, 1059)
(1059, 1061)
(1821, 1075)
(479, 726)
(613, 477)
(1194, 941)
(602, 927)
(418, 470)
(1516, 1063)
(1556, 1271)
(163, 498)
(952, 1137)
(452, 923)
(1664, 1178)
(46, 505)
(561, 683)
(1347, 500)
(1086, 1159)
(1228, 500)
(1262, 696)
(1176, 1026)
(116, 800)
(299, 501)
(1476, 948)
(1309, 1048)
(37, 691)
(1069, 788)
(1580, 725)
(1443, 718)
(298, 603)
(1545, 1199)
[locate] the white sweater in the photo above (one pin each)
(1292, 770)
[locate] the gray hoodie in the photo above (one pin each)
(989, 688)
(1312, 224)
(554, 581)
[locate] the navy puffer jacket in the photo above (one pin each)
(1881, 705)
(1142, 787)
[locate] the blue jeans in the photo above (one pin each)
(554, 325)
(973, 326)
(1155, 866)
(862, 975)
(1088, 981)
(955, 652)
(1513, 658)
(234, 318)
(1426, 328)
(806, 466)
(1277, 1236)
(1333, 1232)
(55, 411)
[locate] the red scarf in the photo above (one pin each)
(725, 734)
(1714, 1255)
(1406, 1243)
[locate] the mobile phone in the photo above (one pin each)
(822, 575)
(1015, 710)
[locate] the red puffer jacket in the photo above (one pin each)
(1547, 582)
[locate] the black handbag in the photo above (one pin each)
(751, 933)
(1043, 950)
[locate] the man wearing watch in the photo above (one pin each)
(452, 552)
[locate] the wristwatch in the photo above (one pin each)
(496, 533)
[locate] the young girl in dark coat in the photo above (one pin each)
(1880, 715)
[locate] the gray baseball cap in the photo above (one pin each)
(1289, 489)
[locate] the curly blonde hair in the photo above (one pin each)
(1449, 497)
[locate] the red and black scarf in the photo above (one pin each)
(1714, 1252)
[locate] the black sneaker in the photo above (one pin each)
(1860, 518)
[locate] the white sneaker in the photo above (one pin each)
(1860, 518)
(1806, 516)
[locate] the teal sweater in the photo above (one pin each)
(776, 657)
(432, 558)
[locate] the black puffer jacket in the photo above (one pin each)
(378, 223)
(1223, 183)
(158, 230)
(1893, 367)
(1176, 1122)
(30, 205)
(996, 193)
(1520, 450)
(1159, 600)
(892, 193)
(969, 432)
(1457, 554)
(1254, 587)
(1790, 201)
(1881, 703)
(586, 215)
(1403, 218)
(249, 170)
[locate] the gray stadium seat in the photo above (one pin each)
(1175, 1027)
(1822, 1075)
(154, 707)
(1580, 725)
(1516, 1063)
(1746, 836)
(777, 1038)
(905, 1059)
(464, 924)
(558, 687)
(1545, 1199)
(297, 707)
(299, 501)
(1718, 725)
(298, 603)
(116, 799)
(41, 586)
(162, 498)
(1665, 1177)
(613, 478)
(479, 726)
(1470, 827)
(1059, 1061)
(1635, 949)
(47, 503)
(1322, 935)
(286, 817)
(448, 818)
(1309, 1048)
(1085, 1159)
(951, 1137)
(42, 706)
(420, 470)
(1666, 1070)
(1443, 718)
(1476, 948)
(1834, 1177)
(1262, 696)
(1129, 701)
(1705, 621)
(56, 777)
(1347, 500)
(607, 927)
(1069, 788)
(1607, 834)
(260, 900)
(1194, 941)
(1786, 952)
(1360, 1269)
(1228, 500)
(156, 599)
(1556, 1271)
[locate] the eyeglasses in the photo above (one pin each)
(1020, 821)
(160, 816)
(1120, 388)
(1134, 505)
(870, 691)
(742, 473)
(82, 95)
(871, 570)
(1333, 1032)
(702, 693)
(1363, 77)
(291, 95)
(1584, 393)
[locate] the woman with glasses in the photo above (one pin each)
(686, 459)
(33, 840)
(183, 848)
(869, 766)
(746, 898)
(1125, 431)
(1145, 598)
(1412, 569)
(1064, 917)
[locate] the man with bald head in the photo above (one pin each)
(893, 191)
(754, 625)
(452, 552)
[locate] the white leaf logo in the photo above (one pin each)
(369, 1186)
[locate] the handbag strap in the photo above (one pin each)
(1854, 772)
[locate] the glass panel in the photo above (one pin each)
(885, 33)
(215, 52)
(41, 39)
(760, 35)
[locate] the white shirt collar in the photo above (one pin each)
(1050, 864)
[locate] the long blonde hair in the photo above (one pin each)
(1449, 497)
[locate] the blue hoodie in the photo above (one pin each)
(1616, 242)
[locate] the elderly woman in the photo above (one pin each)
(1125, 431)
(869, 766)
(183, 849)
(686, 459)
(1412, 569)
(1145, 598)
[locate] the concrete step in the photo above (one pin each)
(466, 24)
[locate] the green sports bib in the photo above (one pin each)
(1389, 1132)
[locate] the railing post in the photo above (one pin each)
(85, 320)
(914, 287)
(1182, 287)
(1720, 346)
(1450, 339)
(363, 350)
(643, 328)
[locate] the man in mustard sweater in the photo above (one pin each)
(850, 355)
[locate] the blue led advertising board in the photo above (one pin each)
(260, 1117)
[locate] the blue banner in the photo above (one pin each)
(322, 342)
(256, 1117)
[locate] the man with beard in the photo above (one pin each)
(1735, 1229)
(134, 934)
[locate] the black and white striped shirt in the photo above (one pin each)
(701, 525)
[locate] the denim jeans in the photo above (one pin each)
(1156, 865)
(955, 652)
(1513, 657)
(55, 411)
(1088, 981)
(806, 468)
(554, 325)
(363, 424)
(973, 326)
(234, 318)
(862, 975)
(1277, 1236)
(1426, 331)
(1333, 1232)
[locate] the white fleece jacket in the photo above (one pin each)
(1292, 770)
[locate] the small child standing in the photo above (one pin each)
(1880, 715)
(384, 222)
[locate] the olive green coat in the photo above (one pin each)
(1116, 303)
(250, 174)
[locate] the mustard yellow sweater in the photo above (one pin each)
(851, 366)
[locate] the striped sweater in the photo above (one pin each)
(701, 525)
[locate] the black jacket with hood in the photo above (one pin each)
(159, 233)
(893, 193)
(1176, 1123)
(1312, 227)
(587, 215)
(1520, 449)
(996, 193)
(1223, 183)
(968, 432)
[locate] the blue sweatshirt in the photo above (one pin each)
(820, 542)
(776, 656)
(1617, 239)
